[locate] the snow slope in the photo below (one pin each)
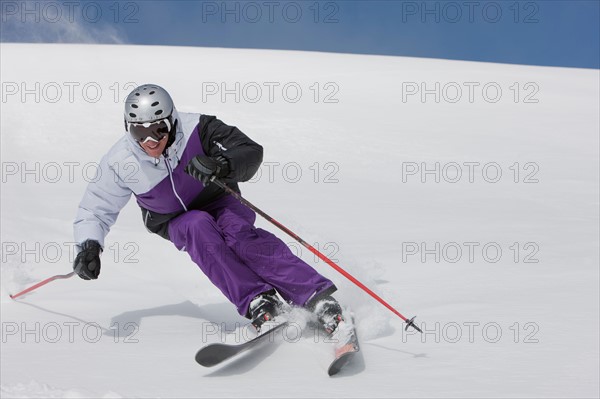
(523, 323)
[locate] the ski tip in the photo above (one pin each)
(339, 363)
(205, 357)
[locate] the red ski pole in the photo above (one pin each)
(409, 322)
(41, 283)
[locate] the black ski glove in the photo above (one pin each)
(87, 262)
(203, 168)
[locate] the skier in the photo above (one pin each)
(173, 156)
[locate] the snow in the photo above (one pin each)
(495, 328)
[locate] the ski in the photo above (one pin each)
(345, 349)
(217, 353)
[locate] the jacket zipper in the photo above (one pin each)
(173, 183)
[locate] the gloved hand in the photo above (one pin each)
(203, 168)
(87, 262)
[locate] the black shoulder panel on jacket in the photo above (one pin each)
(243, 154)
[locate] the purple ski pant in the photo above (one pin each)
(242, 260)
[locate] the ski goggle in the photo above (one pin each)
(150, 131)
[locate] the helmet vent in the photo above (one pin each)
(152, 92)
(137, 94)
(160, 111)
(132, 115)
(134, 106)
(155, 103)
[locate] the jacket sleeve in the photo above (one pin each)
(243, 155)
(102, 201)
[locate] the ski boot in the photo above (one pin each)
(329, 314)
(264, 307)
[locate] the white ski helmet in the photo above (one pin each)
(147, 103)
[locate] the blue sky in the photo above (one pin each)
(551, 32)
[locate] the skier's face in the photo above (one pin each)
(152, 136)
(155, 148)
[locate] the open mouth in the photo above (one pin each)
(152, 145)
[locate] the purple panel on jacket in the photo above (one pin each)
(161, 197)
